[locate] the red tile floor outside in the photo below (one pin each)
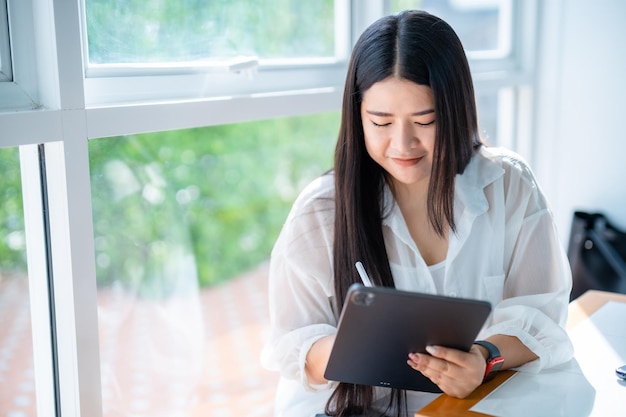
(187, 357)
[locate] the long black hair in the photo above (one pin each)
(419, 47)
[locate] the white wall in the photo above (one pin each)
(580, 148)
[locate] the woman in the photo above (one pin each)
(425, 206)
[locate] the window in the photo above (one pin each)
(27, 373)
(216, 49)
(17, 396)
(25, 75)
(184, 222)
(123, 32)
(485, 27)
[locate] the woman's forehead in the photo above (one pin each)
(393, 94)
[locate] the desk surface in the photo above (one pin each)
(446, 406)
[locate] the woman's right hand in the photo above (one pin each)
(457, 373)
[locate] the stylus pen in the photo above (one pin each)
(361, 270)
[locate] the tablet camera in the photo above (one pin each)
(363, 298)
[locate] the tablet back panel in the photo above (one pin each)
(379, 326)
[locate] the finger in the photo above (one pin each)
(432, 368)
(454, 356)
(417, 361)
(428, 365)
(461, 364)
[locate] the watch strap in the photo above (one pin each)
(494, 361)
(494, 352)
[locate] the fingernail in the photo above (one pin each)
(431, 349)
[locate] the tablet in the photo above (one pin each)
(378, 327)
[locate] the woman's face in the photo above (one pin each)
(399, 125)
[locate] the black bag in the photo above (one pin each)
(596, 252)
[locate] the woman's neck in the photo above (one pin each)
(411, 197)
(412, 201)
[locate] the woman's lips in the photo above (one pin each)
(406, 162)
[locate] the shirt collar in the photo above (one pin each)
(469, 186)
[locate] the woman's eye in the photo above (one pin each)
(380, 124)
(425, 124)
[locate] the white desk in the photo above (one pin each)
(584, 387)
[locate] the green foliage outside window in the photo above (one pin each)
(207, 201)
(130, 31)
(12, 244)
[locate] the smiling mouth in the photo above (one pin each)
(406, 162)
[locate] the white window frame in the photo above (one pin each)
(6, 70)
(513, 78)
(107, 85)
(51, 101)
(18, 89)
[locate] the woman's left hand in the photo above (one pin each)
(455, 372)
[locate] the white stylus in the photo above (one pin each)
(361, 270)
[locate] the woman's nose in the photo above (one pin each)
(404, 136)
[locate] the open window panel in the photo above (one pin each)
(27, 372)
(184, 222)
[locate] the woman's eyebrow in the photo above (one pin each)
(384, 114)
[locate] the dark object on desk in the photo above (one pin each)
(621, 372)
(597, 253)
(379, 327)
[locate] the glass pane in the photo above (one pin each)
(483, 25)
(17, 384)
(184, 223)
(488, 111)
(140, 31)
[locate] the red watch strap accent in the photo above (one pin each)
(494, 361)
(492, 366)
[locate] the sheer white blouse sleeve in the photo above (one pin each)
(301, 292)
(537, 279)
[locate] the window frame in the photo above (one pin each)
(6, 67)
(135, 84)
(51, 101)
(17, 92)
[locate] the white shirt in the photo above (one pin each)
(505, 251)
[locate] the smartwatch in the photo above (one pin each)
(494, 361)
